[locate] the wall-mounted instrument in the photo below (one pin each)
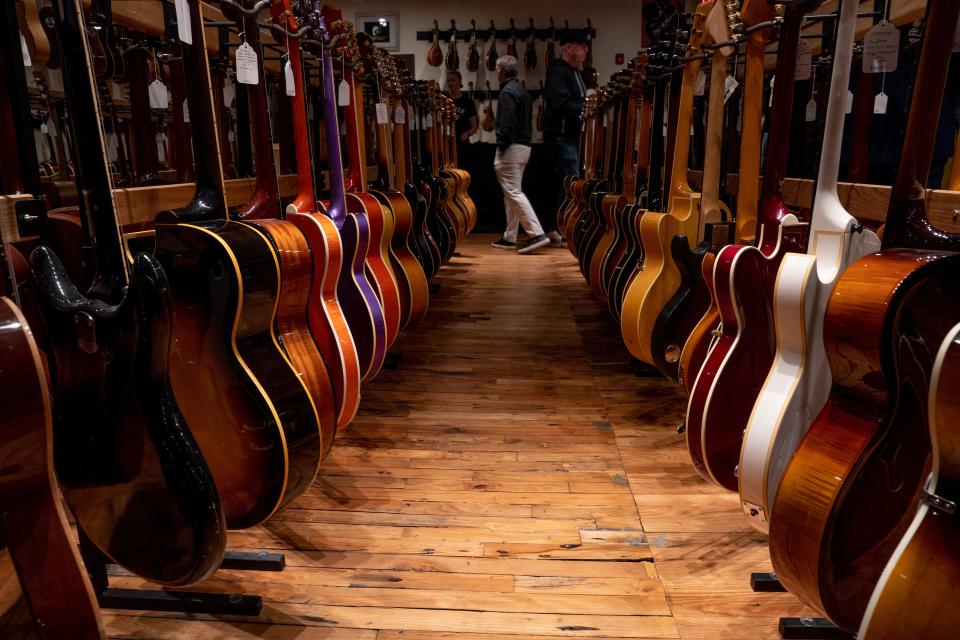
(530, 53)
(492, 55)
(453, 56)
(551, 54)
(473, 55)
(434, 53)
(512, 40)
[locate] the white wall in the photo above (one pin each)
(617, 24)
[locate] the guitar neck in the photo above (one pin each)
(907, 224)
(19, 171)
(644, 131)
(679, 187)
(654, 174)
(713, 150)
(748, 186)
(355, 139)
(337, 211)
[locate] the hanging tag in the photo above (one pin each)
(158, 95)
(414, 121)
(44, 128)
(880, 103)
(447, 130)
(730, 85)
(382, 115)
(881, 48)
(186, 111)
(231, 136)
(184, 28)
(290, 86)
(343, 94)
(811, 113)
(161, 141)
(229, 92)
(701, 85)
(804, 62)
(400, 115)
(247, 70)
(428, 121)
(27, 62)
(117, 92)
(51, 129)
(772, 79)
(410, 117)
(848, 106)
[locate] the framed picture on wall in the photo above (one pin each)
(382, 27)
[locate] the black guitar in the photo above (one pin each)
(128, 465)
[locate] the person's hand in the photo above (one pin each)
(465, 136)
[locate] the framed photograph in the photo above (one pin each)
(382, 27)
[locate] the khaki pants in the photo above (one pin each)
(509, 166)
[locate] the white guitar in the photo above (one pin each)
(799, 380)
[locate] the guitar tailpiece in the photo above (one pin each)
(939, 503)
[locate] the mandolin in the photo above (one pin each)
(551, 53)
(294, 254)
(798, 383)
(453, 56)
(492, 56)
(128, 465)
(512, 41)
(33, 525)
(850, 492)
(324, 313)
(434, 53)
(473, 55)
(916, 593)
(744, 277)
(489, 122)
(659, 277)
(530, 53)
(251, 413)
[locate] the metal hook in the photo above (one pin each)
(252, 11)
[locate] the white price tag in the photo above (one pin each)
(51, 129)
(414, 121)
(730, 85)
(881, 48)
(428, 121)
(231, 136)
(343, 94)
(229, 92)
(290, 87)
(848, 105)
(186, 111)
(447, 130)
(27, 62)
(159, 98)
(44, 128)
(247, 70)
(811, 113)
(161, 141)
(880, 103)
(400, 115)
(772, 79)
(701, 85)
(184, 28)
(804, 62)
(410, 117)
(383, 116)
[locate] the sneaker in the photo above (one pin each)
(503, 244)
(535, 243)
(556, 240)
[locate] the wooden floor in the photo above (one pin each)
(510, 477)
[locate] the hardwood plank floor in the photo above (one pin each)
(509, 476)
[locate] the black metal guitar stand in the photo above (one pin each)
(804, 628)
(180, 601)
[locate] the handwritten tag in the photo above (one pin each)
(186, 111)
(400, 115)
(27, 62)
(701, 85)
(343, 94)
(848, 105)
(184, 27)
(158, 95)
(247, 70)
(730, 85)
(881, 48)
(804, 62)
(880, 103)
(289, 86)
(383, 117)
(810, 115)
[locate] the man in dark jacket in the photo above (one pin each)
(564, 98)
(514, 127)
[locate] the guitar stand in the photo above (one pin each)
(804, 628)
(179, 601)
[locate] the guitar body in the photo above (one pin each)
(225, 282)
(846, 499)
(616, 252)
(33, 524)
(565, 207)
(422, 243)
(293, 330)
(608, 205)
(702, 336)
(411, 279)
(629, 265)
(733, 373)
(916, 593)
(582, 190)
(378, 269)
(659, 277)
(798, 382)
(328, 324)
(127, 463)
(590, 230)
(439, 224)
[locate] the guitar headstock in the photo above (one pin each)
(754, 12)
(718, 25)
(697, 29)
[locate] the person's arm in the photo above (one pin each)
(560, 98)
(474, 125)
(508, 114)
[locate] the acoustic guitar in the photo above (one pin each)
(294, 254)
(702, 336)
(33, 33)
(743, 278)
(128, 465)
(659, 277)
(849, 494)
(798, 382)
(324, 313)
(251, 413)
(916, 593)
(434, 191)
(594, 177)
(33, 525)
